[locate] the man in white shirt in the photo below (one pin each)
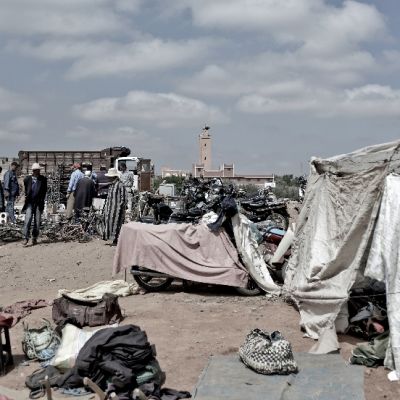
(127, 179)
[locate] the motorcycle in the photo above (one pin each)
(275, 248)
(276, 251)
(153, 281)
(197, 198)
(265, 210)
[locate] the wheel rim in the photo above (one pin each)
(153, 281)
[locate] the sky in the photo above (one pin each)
(277, 81)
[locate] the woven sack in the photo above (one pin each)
(268, 353)
(40, 343)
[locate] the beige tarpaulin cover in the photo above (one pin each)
(384, 259)
(334, 230)
(185, 251)
(248, 248)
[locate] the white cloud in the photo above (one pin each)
(372, 100)
(139, 141)
(13, 137)
(11, 101)
(312, 23)
(17, 129)
(258, 104)
(145, 56)
(24, 123)
(163, 109)
(105, 58)
(263, 71)
(366, 101)
(64, 17)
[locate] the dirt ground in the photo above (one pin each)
(186, 327)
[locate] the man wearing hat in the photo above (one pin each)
(84, 193)
(35, 195)
(76, 176)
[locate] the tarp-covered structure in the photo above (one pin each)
(338, 234)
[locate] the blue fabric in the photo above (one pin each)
(32, 213)
(75, 392)
(278, 231)
(35, 188)
(76, 176)
(11, 183)
(10, 208)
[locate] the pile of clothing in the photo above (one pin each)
(118, 360)
(368, 320)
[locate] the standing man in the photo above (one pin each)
(2, 200)
(35, 195)
(11, 190)
(76, 176)
(103, 182)
(127, 180)
(114, 208)
(84, 193)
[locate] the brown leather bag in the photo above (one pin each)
(87, 313)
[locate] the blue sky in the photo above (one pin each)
(277, 81)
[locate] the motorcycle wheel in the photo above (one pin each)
(153, 284)
(276, 220)
(251, 290)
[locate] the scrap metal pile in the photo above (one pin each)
(55, 228)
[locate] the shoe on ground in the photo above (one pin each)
(25, 242)
(34, 242)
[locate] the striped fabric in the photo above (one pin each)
(114, 210)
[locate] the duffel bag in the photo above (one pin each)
(87, 313)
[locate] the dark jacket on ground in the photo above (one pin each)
(41, 192)
(126, 345)
(118, 355)
(84, 193)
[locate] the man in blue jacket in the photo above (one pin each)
(2, 200)
(76, 176)
(11, 190)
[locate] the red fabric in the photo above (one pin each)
(21, 309)
(5, 322)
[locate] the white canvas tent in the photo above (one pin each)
(335, 230)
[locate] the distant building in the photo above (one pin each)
(203, 169)
(205, 148)
(167, 172)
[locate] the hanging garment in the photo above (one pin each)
(114, 210)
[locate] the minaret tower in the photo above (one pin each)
(205, 148)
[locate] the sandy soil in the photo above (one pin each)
(186, 327)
